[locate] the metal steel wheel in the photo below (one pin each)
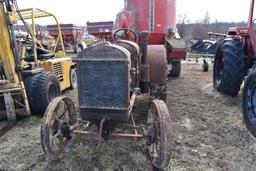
(159, 140)
(57, 127)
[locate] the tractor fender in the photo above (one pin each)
(158, 64)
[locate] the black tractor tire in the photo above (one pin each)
(249, 103)
(176, 69)
(41, 89)
(229, 67)
(73, 78)
(27, 84)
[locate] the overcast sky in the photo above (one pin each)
(81, 11)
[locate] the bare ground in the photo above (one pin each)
(208, 127)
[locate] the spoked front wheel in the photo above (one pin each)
(159, 139)
(57, 127)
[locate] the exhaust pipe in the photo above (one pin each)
(144, 66)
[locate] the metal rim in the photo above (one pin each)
(153, 128)
(56, 133)
(73, 78)
(159, 134)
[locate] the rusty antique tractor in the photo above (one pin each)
(110, 77)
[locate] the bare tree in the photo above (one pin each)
(207, 19)
(182, 21)
(201, 28)
(199, 31)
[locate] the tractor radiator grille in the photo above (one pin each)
(58, 71)
(103, 84)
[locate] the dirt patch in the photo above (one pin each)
(209, 135)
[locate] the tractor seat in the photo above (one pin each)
(42, 54)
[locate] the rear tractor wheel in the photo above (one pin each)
(57, 127)
(159, 140)
(176, 69)
(229, 67)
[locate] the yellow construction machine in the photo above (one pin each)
(30, 75)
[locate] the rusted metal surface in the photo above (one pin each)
(134, 50)
(105, 90)
(144, 46)
(132, 101)
(144, 67)
(158, 64)
(95, 135)
(56, 136)
(60, 125)
(159, 137)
